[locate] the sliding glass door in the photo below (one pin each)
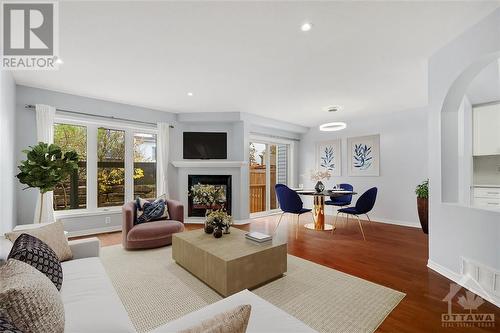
(269, 164)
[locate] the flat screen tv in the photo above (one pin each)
(204, 145)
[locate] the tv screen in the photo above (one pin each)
(204, 145)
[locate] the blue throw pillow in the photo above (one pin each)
(153, 211)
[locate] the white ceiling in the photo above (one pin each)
(252, 57)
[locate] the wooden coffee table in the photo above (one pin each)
(231, 263)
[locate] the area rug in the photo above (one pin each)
(155, 290)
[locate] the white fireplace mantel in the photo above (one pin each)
(208, 164)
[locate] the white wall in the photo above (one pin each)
(7, 162)
(403, 162)
(486, 85)
(465, 152)
(456, 230)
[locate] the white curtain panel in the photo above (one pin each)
(45, 133)
(162, 157)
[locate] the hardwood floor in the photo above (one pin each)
(393, 256)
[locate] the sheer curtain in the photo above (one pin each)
(162, 158)
(45, 133)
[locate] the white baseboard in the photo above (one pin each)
(242, 222)
(396, 222)
(95, 231)
(388, 221)
(464, 281)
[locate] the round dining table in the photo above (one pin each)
(318, 210)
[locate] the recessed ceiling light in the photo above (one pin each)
(331, 127)
(190, 94)
(306, 26)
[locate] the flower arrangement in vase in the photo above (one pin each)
(218, 222)
(318, 176)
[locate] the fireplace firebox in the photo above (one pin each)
(223, 181)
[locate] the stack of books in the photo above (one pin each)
(258, 236)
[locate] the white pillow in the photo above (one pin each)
(5, 247)
(52, 234)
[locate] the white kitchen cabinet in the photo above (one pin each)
(487, 192)
(487, 196)
(487, 202)
(486, 120)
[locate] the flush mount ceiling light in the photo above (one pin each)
(332, 108)
(306, 26)
(190, 94)
(331, 127)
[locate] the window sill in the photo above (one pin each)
(84, 212)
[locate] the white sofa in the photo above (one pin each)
(90, 301)
(92, 305)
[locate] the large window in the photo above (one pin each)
(117, 164)
(110, 167)
(72, 192)
(145, 165)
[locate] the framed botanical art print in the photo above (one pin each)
(328, 157)
(363, 155)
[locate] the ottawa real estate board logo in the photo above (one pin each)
(470, 316)
(30, 35)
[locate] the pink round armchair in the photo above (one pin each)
(151, 234)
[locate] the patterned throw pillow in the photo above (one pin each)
(6, 326)
(52, 234)
(29, 299)
(151, 211)
(33, 251)
(232, 321)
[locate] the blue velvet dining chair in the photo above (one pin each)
(344, 200)
(363, 206)
(289, 202)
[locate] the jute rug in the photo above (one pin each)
(155, 290)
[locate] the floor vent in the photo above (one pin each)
(486, 277)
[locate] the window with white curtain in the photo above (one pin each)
(117, 163)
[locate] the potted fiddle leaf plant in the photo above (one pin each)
(422, 192)
(45, 167)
